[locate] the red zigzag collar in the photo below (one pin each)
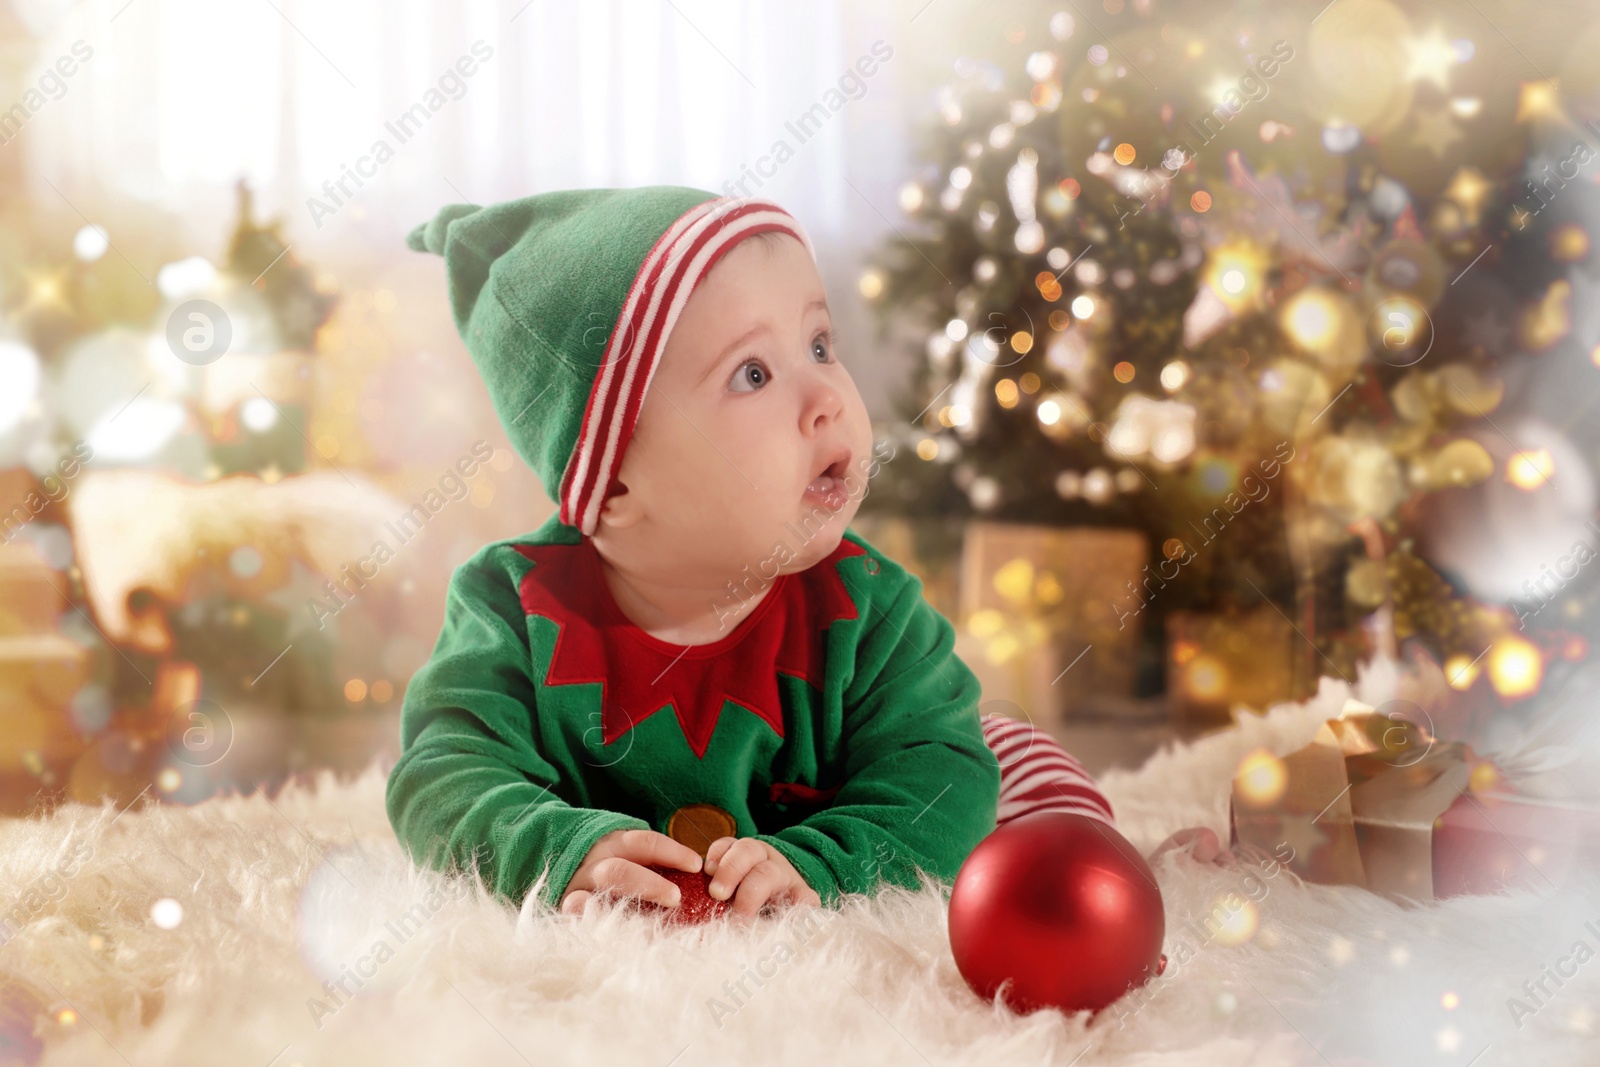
(640, 675)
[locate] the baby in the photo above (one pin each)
(695, 663)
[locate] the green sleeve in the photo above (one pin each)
(470, 784)
(921, 786)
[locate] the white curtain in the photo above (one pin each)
(183, 97)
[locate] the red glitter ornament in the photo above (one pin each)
(696, 904)
(1059, 908)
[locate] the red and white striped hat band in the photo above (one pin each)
(682, 256)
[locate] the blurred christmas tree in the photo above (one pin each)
(259, 252)
(1243, 283)
(264, 432)
(144, 558)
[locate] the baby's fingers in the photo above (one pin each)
(630, 879)
(732, 864)
(715, 851)
(574, 901)
(647, 848)
(766, 880)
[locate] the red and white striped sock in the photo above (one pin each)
(1037, 774)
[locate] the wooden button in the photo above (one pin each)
(697, 825)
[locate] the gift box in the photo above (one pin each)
(41, 669)
(1376, 800)
(1039, 621)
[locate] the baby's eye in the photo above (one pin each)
(751, 375)
(824, 342)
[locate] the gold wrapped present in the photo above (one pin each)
(1376, 800)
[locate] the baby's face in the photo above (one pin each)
(748, 406)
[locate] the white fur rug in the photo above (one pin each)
(266, 899)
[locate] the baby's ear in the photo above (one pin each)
(620, 509)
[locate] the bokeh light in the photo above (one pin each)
(1262, 777)
(1530, 469)
(1515, 667)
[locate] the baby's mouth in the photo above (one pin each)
(828, 488)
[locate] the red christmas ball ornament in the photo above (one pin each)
(1062, 909)
(695, 904)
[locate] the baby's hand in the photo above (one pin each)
(618, 860)
(758, 872)
(1201, 842)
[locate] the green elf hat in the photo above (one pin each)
(565, 301)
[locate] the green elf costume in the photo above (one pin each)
(834, 721)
